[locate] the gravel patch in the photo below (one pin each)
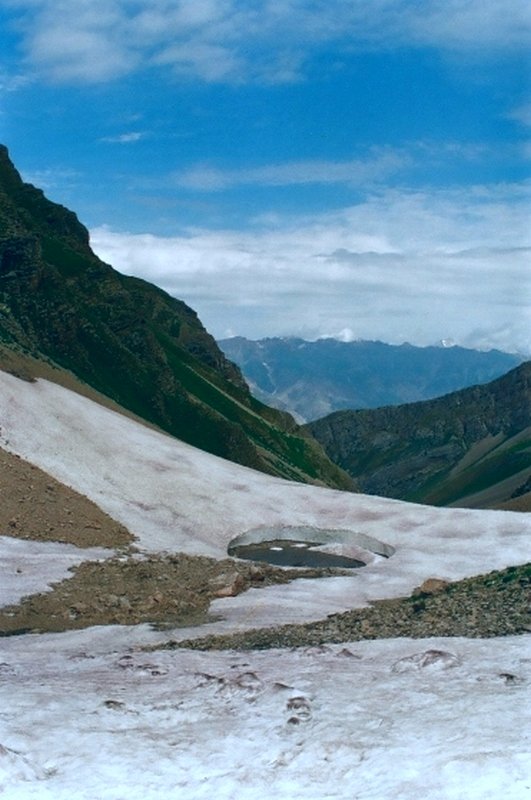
(36, 506)
(165, 590)
(496, 604)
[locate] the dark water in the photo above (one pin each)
(292, 553)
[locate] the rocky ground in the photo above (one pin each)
(127, 589)
(172, 590)
(496, 604)
(165, 590)
(35, 506)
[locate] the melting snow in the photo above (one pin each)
(88, 715)
(174, 497)
(439, 719)
(28, 567)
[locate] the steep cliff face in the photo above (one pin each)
(133, 342)
(471, 447)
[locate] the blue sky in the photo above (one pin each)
(294, 167)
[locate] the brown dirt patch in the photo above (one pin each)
(33, 505)
(522, 503)
(165, 590)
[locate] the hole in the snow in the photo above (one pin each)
(303, 546)
(290, 553)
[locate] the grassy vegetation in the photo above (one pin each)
(480, 476)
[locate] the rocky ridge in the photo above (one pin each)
(471, 447)
(312, 379)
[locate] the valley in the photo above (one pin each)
(312, 379)
(143, 654)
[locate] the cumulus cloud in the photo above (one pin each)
(238, 40)
(401, 266)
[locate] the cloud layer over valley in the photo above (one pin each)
(412, 266)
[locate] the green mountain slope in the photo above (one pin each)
(132, 342)
(469, 448)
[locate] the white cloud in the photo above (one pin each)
(522, 114)
(234, 40)
(400, 266)
(380, 163)
(210, 62)
(84, 41)
(12, 82)
(50, 179)
(376, 165)
(124, 138)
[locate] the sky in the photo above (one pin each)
(294, 167)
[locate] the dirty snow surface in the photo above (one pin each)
(28, 567)
(173, 497)
(439, 719)
(91, 715)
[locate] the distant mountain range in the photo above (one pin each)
(130, 341)
(313, 379)
(469, 448)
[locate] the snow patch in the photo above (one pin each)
(29, 567)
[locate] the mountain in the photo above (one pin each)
(129, 340)
(312, 379)
(469, 448)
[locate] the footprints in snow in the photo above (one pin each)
(299, 710)
(429, 659)
(248, 686)
(128, 662)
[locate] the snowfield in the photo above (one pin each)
(28, 567)
(384, 720)
(89, 715)
(173, 497)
